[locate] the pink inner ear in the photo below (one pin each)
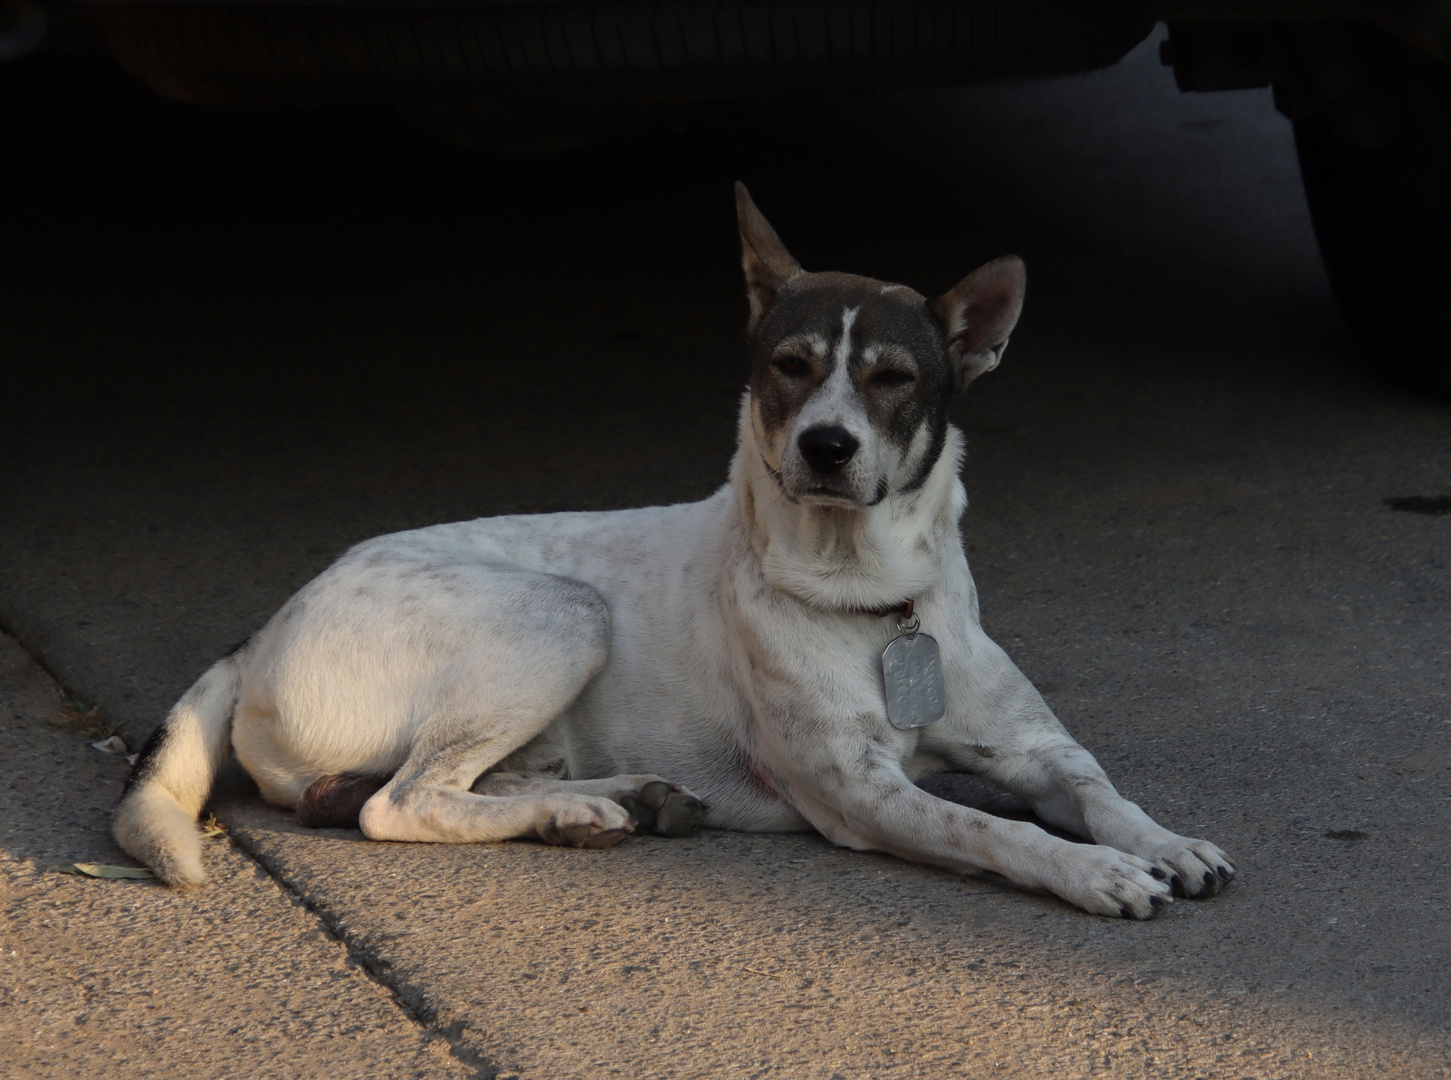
(987, 308)
(761, 296)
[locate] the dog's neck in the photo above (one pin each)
(844, 559)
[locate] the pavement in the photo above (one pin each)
(237, 342)
(119, 978)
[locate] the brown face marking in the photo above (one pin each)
(895, 356)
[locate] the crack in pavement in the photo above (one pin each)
(409, 998)
(190, 1013)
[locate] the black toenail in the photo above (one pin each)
(1157, 901)
(1224, 873)
(1209, 877)
(1176, 885)
(1125, 913)
(1154, 871)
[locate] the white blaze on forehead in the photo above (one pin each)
(836, 400)
(843, 343)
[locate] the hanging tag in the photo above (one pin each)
(912, 674)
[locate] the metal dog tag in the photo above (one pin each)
(912, 672)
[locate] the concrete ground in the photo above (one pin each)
(237, 342)
(115, 978)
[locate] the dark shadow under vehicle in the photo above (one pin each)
(1366, 84)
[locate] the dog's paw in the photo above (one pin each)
(664, 808)
(1107, 881)
(585, 822)
(1194, 868)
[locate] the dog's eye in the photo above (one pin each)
(892, 377)
(793, 366)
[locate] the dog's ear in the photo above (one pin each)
(978, 314)
(767, 263)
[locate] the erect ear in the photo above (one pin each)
(767, 263)
(978, 314)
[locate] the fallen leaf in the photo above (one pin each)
(101, 870)
(212, 827)
(114, 745)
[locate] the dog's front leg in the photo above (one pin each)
(1065, 786)
(851, 786)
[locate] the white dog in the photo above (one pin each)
(789, 654)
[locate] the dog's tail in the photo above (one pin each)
(156, 821)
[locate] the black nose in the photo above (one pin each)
(827, 449)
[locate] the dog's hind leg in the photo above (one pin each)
(655, 804)
(429, 800)
(506, 690)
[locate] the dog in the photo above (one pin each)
(736, 663)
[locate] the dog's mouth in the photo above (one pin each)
(822, 491)
(829, 496)
(840, 495)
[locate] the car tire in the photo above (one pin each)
(1373, 131)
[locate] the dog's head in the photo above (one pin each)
(851, 377)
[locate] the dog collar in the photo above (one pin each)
(903, 609)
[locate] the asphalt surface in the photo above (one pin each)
(237, 342)
(118, 978)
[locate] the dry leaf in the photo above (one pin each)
(101, 870)
(212, 827)
(114, 745)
